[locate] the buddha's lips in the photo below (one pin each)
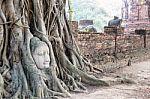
(46, 63)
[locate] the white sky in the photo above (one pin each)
(111, 6)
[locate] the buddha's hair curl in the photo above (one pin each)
(35, 43)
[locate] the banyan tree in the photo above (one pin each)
(39, 57)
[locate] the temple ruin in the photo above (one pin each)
(135, 15)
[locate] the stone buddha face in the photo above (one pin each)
(40, 53)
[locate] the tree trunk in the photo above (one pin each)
(29, 28)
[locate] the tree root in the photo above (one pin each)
(92, 80)
(5, 45)
(84, 77)
(1, 86)
(67, 68)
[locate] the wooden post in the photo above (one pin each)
(144, 37)
(115, 31)
(142, 33)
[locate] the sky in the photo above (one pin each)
(111, 6)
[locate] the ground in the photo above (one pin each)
(138, 72)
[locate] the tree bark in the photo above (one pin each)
(20, 78)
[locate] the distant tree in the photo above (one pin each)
(90, 10)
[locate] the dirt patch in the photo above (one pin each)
(138, 72)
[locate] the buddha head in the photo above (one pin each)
(40, 53)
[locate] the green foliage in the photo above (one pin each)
(89, 9)
(92, 10)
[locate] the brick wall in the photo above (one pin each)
(100, 47)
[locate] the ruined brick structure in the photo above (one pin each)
(74, 28)
(135, 14)
(100, 47)
(85, 23)
(110, 30)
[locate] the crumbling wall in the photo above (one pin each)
(100, 47)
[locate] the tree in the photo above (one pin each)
(90, 10)
(29, 28)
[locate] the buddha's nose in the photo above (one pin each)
(47, 58)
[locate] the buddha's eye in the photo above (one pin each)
(46, 52)
(40, 53)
